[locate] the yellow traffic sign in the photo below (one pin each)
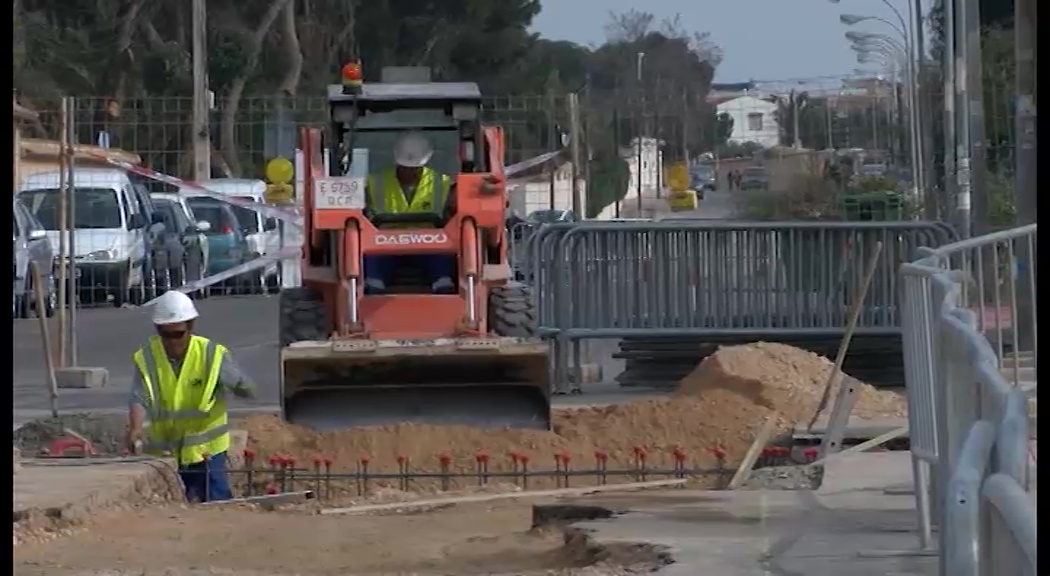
(678, 177)
(279, 171)
(279, 193)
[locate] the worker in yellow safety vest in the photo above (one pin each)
(410, 186)
(181, 383)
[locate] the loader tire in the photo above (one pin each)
(512, 311)
(303, 316)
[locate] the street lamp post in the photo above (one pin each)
(914, 93)
(869, 44)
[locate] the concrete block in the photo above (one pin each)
(238, 442)
(81, 377)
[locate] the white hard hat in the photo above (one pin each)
(172, 308)
(412, 150)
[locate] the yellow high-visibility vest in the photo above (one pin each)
(186, 419)
(387, 197)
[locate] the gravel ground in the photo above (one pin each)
(786, 478)
(106, 433)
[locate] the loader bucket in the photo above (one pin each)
(494, 383)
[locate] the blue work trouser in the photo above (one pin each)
(434, 266)
(206, 481)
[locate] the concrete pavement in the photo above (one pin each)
(848, 526)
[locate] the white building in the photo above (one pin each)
(534, 189)
(754, 119)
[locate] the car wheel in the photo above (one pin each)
(24, 306)
(51, 300)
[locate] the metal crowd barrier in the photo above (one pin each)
(697, 278)
(970, 336)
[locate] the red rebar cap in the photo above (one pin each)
(524, 458)
(364, 460)
(249, 454)
(271, 489)
(317, 461)
(678, 453)
(481, 456)
(445, 458)
(400, 459)
(719, 452)
(327, 460)
(639, 451)
(515, 456)
(600, 455)
(566, 457)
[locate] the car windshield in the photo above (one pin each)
(212, 212)
(247, 219)
(549, 216)
(380, 146)
(95, 207)
(166, 209)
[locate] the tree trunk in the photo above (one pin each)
(292, 51)
(227, 130)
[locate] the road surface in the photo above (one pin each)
(247, 325)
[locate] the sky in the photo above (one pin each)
(764, 40)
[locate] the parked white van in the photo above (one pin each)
(109, 231)
(261, 232)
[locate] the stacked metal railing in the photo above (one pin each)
(970, 337)
(712, 279)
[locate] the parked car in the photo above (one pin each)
(31, 245)
(261, 232)
(551, 216)
(110, 232)
(704, 178)
(185, 250)
(682, 200)
(227, 246)
(754, 178)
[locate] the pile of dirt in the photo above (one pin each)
(720, 405)
(741, 386)
(105, 432)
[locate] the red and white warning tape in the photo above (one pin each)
(270, 210)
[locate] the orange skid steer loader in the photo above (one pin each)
(353, 358)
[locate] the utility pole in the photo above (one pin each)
(979, 220)
(641, 130)
(951, 188)
(794, 120)
(201, 98)
(922, 111)
(574, 143)
(685, 125)
(962, 215)
(1025, 173)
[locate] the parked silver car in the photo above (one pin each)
(31, 244)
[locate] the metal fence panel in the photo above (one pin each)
(668, 278)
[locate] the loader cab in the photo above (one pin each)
(366, 124)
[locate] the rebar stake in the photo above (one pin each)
(601, 460)
(317, 474)
(446, 462)
(249, 472)
(481, 460)
(402, 473)
(362, 475)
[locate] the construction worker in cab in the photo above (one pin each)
(182, 382)
(409, 187)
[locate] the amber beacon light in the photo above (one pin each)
(351, 77)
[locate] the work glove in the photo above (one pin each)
(244, 391)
